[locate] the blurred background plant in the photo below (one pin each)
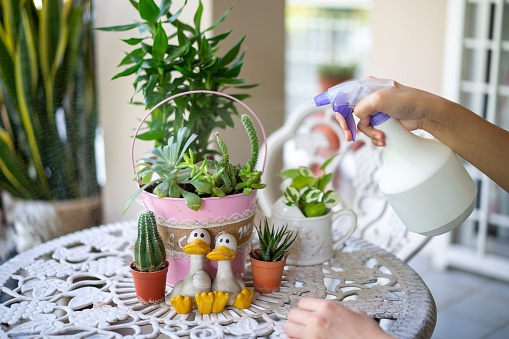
(335, 73)
(163, 68)
(48, 119)
(48, 101)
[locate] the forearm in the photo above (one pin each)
(483, 144)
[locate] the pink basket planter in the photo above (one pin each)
(233, 214)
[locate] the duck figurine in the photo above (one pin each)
(198, 280)
(225, 282)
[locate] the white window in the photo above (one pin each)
(476, 75)
(322, 32)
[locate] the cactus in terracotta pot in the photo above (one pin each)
(149, 252)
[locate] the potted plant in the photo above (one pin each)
(333, 74)
(149, 268)
(210, 193)
(48, 106)
(268, 261)
(163, 68)
(306, 205)
(182, 86)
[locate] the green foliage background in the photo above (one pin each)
(47, 66)
(162, 68)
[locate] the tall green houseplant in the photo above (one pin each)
(48, 103)
(170, 57)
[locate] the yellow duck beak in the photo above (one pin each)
(197, 246)
(221, 253)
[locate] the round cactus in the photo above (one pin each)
(149, 252)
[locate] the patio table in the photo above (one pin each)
(79, 285)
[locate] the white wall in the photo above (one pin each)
(408, 42)
(264, 64)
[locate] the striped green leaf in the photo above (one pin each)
(311, 195)
(291, 195)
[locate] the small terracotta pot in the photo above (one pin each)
(150, 286)
(267, 275)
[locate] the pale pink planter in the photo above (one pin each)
(213, 211)
(237, 208)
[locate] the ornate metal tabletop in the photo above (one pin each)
(80, 285)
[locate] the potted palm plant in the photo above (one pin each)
(186, 192)
(268, 261)
(182, 84)
(306, 205)
(149, 268)
(162, 67)
(48, 108)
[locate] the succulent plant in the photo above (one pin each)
(181, 174)
(275, 244)
(149, 252)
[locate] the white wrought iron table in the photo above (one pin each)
(79, 285)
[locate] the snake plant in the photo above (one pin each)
(48, 103)
(149, 252)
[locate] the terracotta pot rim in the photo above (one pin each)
(133, 267)
(250, 256)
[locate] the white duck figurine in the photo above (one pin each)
(226, 281)
(198, 279)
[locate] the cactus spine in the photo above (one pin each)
(149, 252)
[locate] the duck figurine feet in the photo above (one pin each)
(226, 282)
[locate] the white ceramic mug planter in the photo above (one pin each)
(315, 242)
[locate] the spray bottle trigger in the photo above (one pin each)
(340, 105)
(346, 112)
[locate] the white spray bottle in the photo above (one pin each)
(422, 179)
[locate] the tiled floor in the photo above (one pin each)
(469, 306)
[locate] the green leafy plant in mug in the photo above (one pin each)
(307, 191)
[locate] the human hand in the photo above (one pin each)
(320, 318)
(407, 104)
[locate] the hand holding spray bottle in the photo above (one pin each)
(422, 179)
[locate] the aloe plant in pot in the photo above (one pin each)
(268, 261)
(48, 108)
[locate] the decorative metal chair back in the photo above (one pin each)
(309, 137)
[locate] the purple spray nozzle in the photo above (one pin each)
(322, 99)
(340, 105)
(346, 95)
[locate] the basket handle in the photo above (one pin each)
(193, 92)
